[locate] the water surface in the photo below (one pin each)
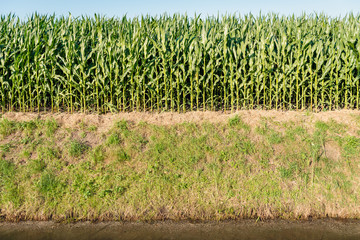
(248, 229)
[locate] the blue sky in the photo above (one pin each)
(24, 8)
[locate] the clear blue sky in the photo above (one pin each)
(24, 8)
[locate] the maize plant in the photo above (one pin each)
(179, 63)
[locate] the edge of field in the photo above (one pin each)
(105, 122)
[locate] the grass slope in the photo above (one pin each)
(204, 171)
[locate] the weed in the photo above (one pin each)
(48, 184)
(87, 188)
(26, 140)
(76, 148)
(82, 124)
(92, 128)
(37, 165)
(48, 153)
(50, 127)
(264, 162)
(120, 190)
(105, 192)
(30, 126)
(159, 148)
(97, 154)
(7, 169)
(274, 137)
(122, 156)
(26, 153)
(262, 129)
(289, 171)
(234, 121)
(82, 134)
(113, 139)
(5, 148)
(350, 146)
(245, 146)
(7, 127)
(321, 126)
(292, 133)
(337, 127)
(122, 125)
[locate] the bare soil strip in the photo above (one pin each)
(105, 121)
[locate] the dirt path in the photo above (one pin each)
(252, 117)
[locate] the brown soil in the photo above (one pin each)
(252, 117)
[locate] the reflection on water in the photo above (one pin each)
(320, 229)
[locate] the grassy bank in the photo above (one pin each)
(193, 170)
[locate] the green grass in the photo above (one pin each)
(204, 171)
(113, 139)
(76, 148)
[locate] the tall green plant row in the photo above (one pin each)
(179, 63)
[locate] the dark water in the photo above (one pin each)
(309, 230)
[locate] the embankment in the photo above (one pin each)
(192, 166)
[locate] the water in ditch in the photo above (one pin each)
(305, 230)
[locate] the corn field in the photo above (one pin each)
(179, 63)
